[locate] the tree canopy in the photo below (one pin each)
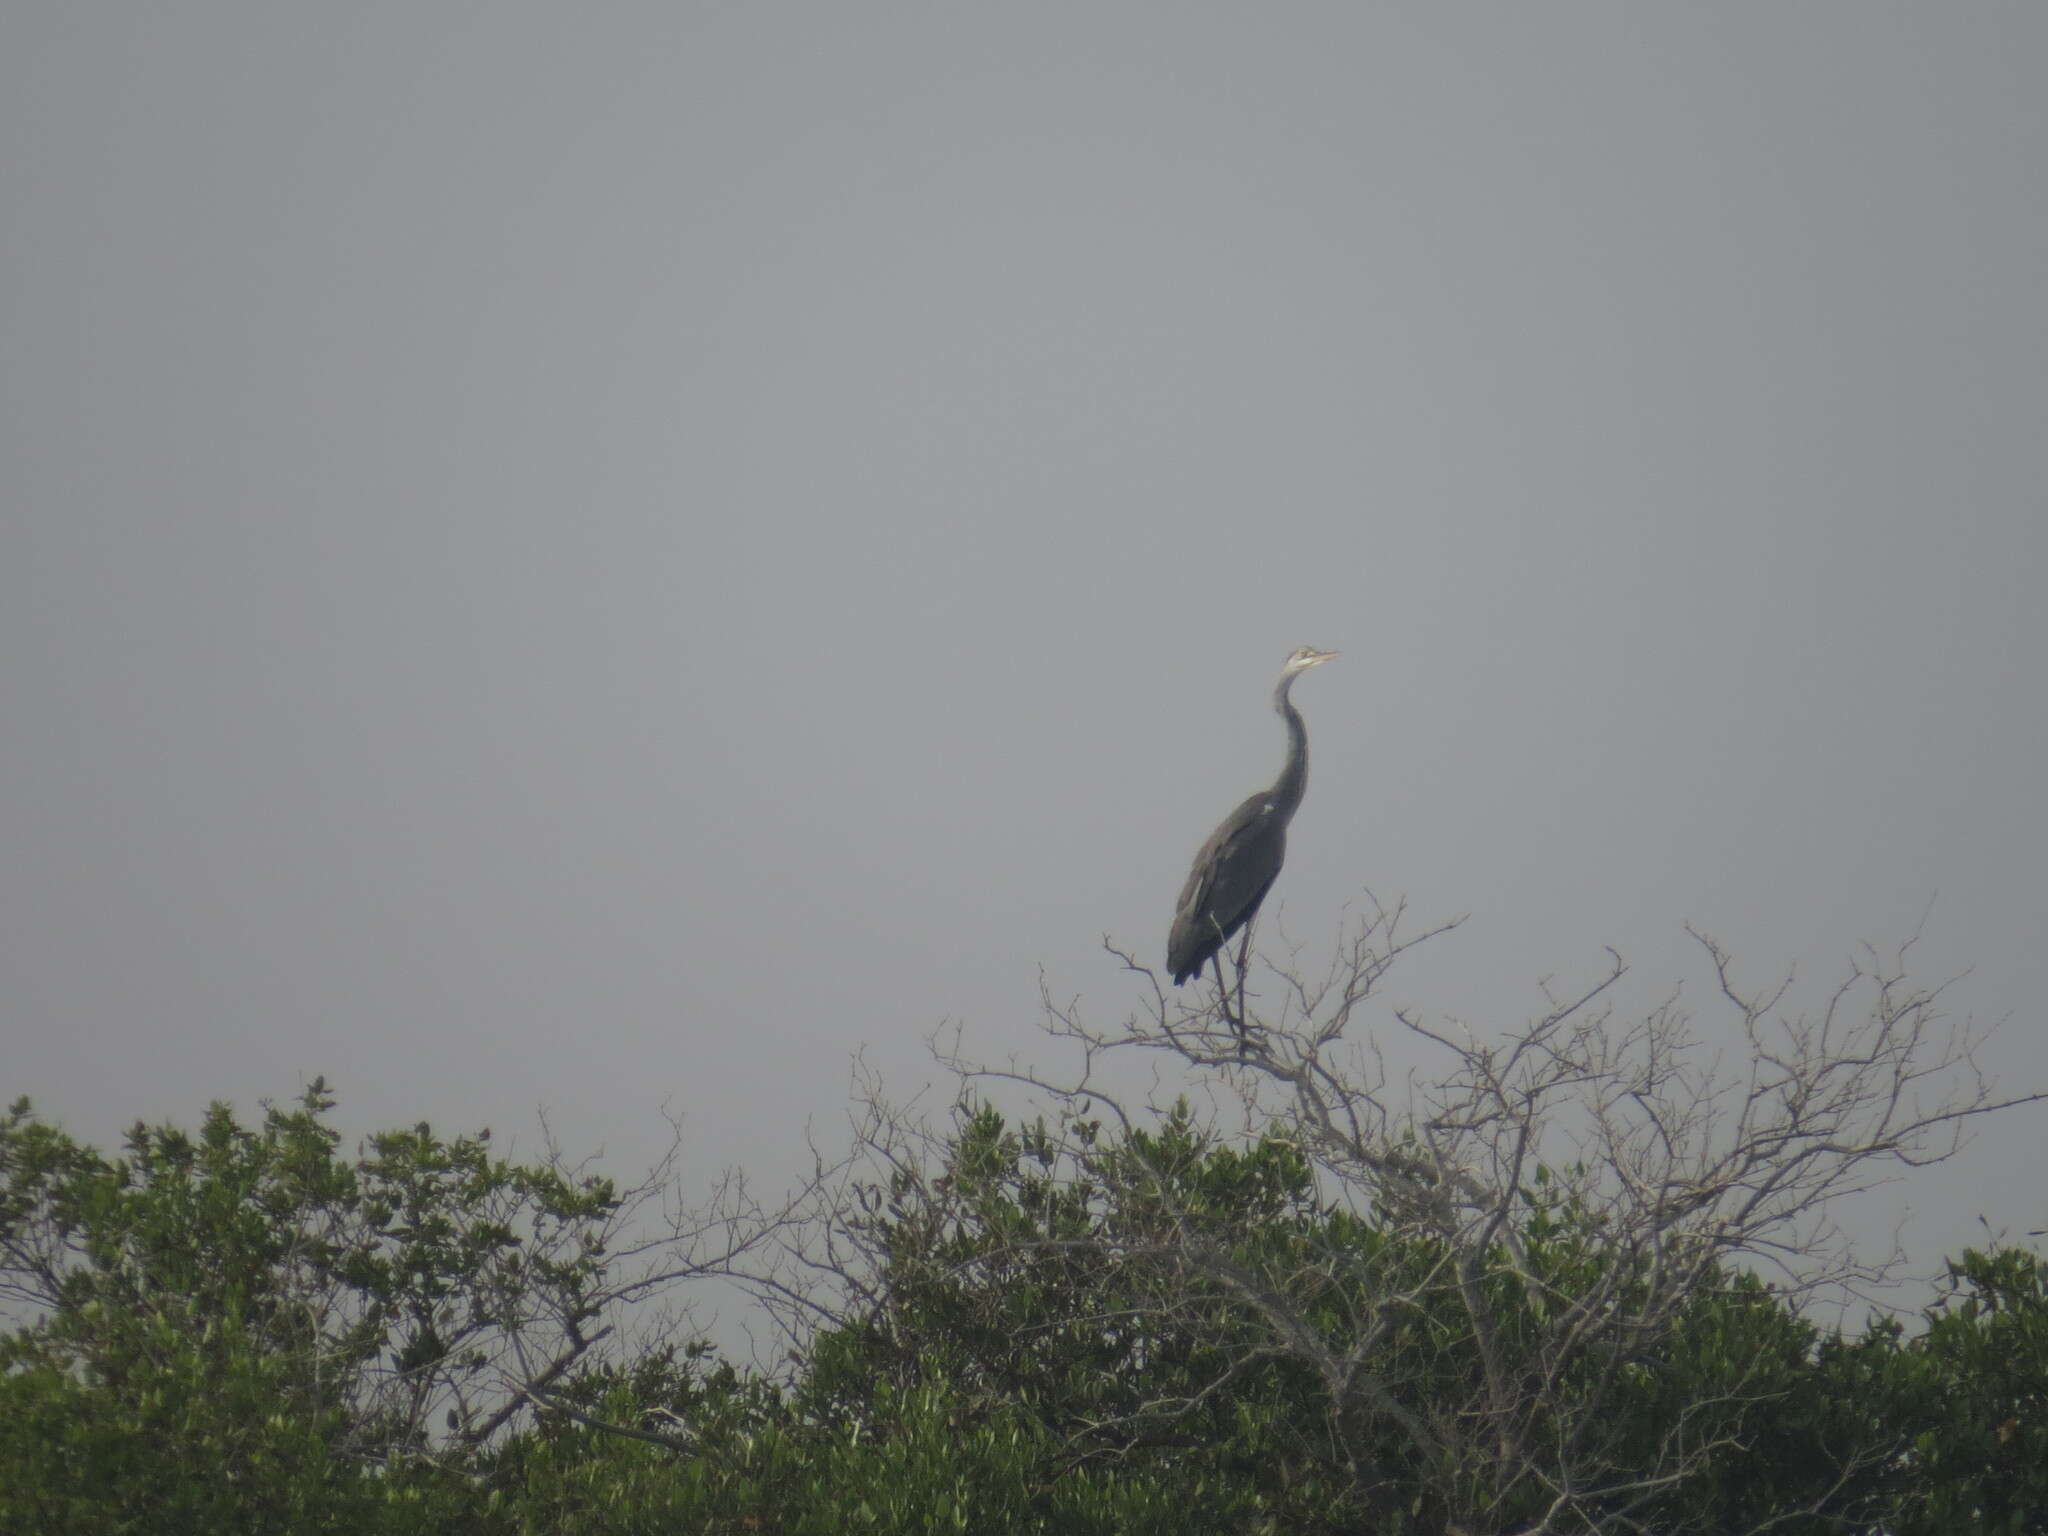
(1537, 1295)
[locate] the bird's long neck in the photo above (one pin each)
(1292, 784)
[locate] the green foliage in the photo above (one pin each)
(231, 1330)
(244, 1329)
(1044, 1290)
(1974, 1398)
(1135, 1300)
(922, 1459)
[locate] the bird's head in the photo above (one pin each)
(1308, 656)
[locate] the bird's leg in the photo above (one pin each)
(1244, 958)
(1223, 1001)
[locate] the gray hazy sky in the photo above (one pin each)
(593, 556)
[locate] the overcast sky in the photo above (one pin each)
(585, 557)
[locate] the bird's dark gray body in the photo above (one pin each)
(1242, 858)
(1232, 874)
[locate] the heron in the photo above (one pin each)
(1241, 859)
